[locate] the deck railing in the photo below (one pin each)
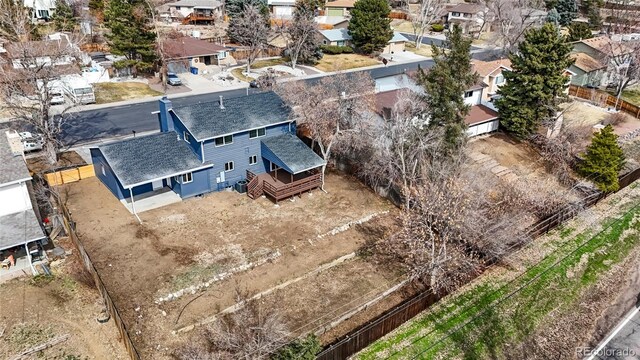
(279, 192)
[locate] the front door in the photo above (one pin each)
(156, 185)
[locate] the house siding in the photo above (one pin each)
(475, 99)
(199, 185)
(239, 152)
(181, 129)
(109, 178)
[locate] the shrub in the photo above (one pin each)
(335, 49)
(300, 349)
(614, 119)
(437, 27)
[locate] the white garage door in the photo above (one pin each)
(283, 11)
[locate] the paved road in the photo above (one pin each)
(93, 125)
(623, 343)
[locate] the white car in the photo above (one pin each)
(25, 135)
(32, 145)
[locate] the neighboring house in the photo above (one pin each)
(281, 9)
(589, 71)
(614, 54)
(491, 74)
(193, 11)
(332, 22)
(58, 51)
(396, 44)
(187, 52)
(21, 235)
(338, 37)
(339, 7)
(470, 17)
(41, 9)
(212, 146)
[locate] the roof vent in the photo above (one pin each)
(221, 103)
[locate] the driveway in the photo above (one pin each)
(405, 56)
(623, 343)
(435, 39)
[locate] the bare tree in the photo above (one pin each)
(336, 112)
(422, 15)
(510, 19)
(301, 35)
(252, 332)
(15, 21)
(621, 17)
(250, 29)
(28, 80)
(623, 59)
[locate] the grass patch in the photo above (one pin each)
(404, 26)
(632, 96)
(425, 50)
(483, 320)
(119, 91)
(237, 72)
(195, 275)
(344, 62)
(266, 63)
(26, 335)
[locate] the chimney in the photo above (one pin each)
(221, 103)
(166, 121)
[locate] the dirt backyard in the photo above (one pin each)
(37, 310)
(183, 265)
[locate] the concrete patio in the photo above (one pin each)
(152, 200)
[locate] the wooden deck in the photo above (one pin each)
(280, 184)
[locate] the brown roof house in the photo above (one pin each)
(470, 17)
(339, 7)
(490, 74)
(614, 55)
(186, 52)
(589, 71)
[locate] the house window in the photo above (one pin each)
(257, 133)
(468, 94)
(324, 42)
(455, 14)
(499, 79)
(186, 136)
(43, 13)
(228, 166)
(340, 43)
(224, 140)
(187, 178)
(273, 166)
(104, 173)
(253, 159)
(177, 7)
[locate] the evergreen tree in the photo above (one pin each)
(131, 34)
(300, 349)
(235, 7)
(592, 9)
(603, 160)
(530, 95)
(553, 17)
(445, 84)
(63, 18)
(579, 31)
(370, 25)
(568, 10)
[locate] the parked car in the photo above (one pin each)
(32, 145)
(173, 79)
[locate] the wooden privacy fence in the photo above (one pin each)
(389, 321)
(604, 99)
(398, 15)
(111, 307)
(69, 175)
(243, 54)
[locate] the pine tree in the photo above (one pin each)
(592, 9)
(131, 34)
(553, 17)
(530, 95)
(63, 18)
(603, 160)
(235, 7)
(568, 10)
(445, 84)
(370, 25)
(579, 31)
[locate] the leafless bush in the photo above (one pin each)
(252, 332)
(614, 119)
(559, 152)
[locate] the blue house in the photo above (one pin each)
(212, 146)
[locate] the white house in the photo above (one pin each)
(192, 11)
(280, 9)
(20, 231)
(470, 17)
(41, 9)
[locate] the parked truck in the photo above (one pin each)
(78, 89)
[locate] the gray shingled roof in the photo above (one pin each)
(336, 34)
(12, 167)
(19, 228)
(295, 154)
(207, 120)
(140, 160)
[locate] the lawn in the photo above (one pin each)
(425, 50)
(344, 62)
(269, 62)
(632, 96)
(238, 73)
(507, 307)
(119, 91)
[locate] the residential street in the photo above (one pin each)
(93, 125)
(623, 343)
